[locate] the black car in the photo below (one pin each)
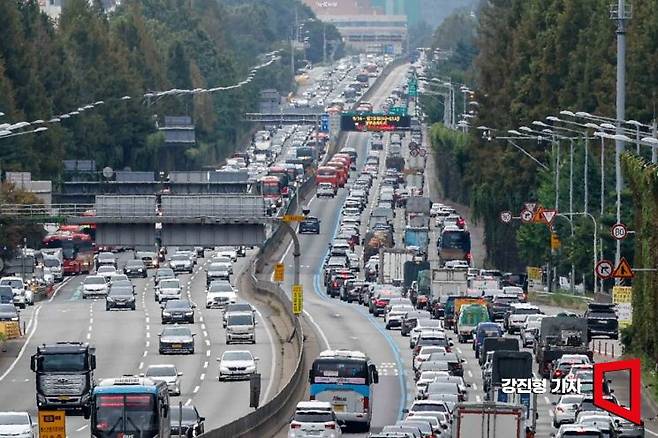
(120, 297)
(310, 224)
(410, 319)
(6, 295)
(188, 419)
(135, 268)
(8, 312)
(177, 311)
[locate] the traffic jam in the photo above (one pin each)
(484, 360)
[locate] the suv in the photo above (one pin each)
(22, 295)
(314, 418)
(240, 327)
(310, 224)
(517, 315)
(168, 289)
(105, 258)
(326, 189)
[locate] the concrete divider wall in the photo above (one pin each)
(273, 415)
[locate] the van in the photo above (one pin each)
(241, 327)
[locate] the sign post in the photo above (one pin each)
(619, 231)
(604, 269)
(52, 424)
(297, 299)
(622, 296)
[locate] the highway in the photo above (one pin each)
(127, 343)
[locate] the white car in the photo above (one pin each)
(325, 190)
(168, 289)
(94, 285)
(425, 353)
(181, 262)
(224, 261)
(107, 271)
(564, 410)
(236, 364)
(314, 419)
(16, 425)
(165, 373)
(22, 294)
(220, 294)
(231, 253)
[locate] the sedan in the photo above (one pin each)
(186, 418)
(120, 297)
(220, 294)
(106, 271)
(135, 268)
(177, 311)
(17, 425)
(236, 364)
(176, 340)
(169, 289)
(8, 312)
(217, 271)
(166, 373)
(564, 410)
(163, 273)
(181, 262)
(94, 285)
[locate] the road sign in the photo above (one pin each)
(623, 270)
(619, 231)
(530, 206)
(548, 216)
(537, 215)
(52, 424)
(526, 216)
(604, 269)
(398, 110)
(373, 122)
(324, 123)
(413, 152)
(506, 217)
(534, 273)
(254, 390)
(278, 272)
(297, 299)
(622, 296)
(555, 242)
(293, 218)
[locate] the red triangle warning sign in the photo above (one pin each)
(623, 270)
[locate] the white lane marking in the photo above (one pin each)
(205, 334)
(148, 319)
(202, 376)
(205, 364)
(547, 400)
(148, 327)
(201, 318)
(80, 429)
(91, 320)
(207, 342)
(89, 329)
(264, 323)
(88, 335)
(189, 400)
(478, 398)
(141, 365)
(203, 326)
(145, 353)
(475, 386)
(196, 389)
(651, 432)
(459, 350)
(148, 344)
(470, 374)
(317, 327)
(148, 334)
(207, 353)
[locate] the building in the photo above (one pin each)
(23, 181)
(53, 8)
(372, 33)
(340, 7)
(178, 131)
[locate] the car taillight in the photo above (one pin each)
(380, 303)
(335, 284)
(557, 373)
(330, 425)
(295, 425)
(559, 409)
(366, 403)
(469, 258)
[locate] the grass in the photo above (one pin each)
(568, 301)
(649, 375)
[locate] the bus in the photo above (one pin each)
(344, 378)
(271, 188)
(342, 171)
(327, 174)
(77, 250)
(130, 406)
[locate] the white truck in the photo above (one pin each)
(482, 284)
(446, 281)
(392, 266)
(488, 420)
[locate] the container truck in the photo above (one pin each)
(488, 420)
(392, 262)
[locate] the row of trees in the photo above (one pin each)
(533, 59)
(149, 45)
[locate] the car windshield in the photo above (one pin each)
(169, 284)
(180, 257)
(161, 371)
(164, 273)
(50, 262)
(602, 315)
(239, 308)
(240, 320)
(106, 257)
(60, 362)
(221, 287)
(217, 267)
(189, 415)
(313, 417)
(526, 311)
(14, 419)
(570, 399)
(176, 331)
(95, 280)
(135, 264)
(121, 291)
(104, 269)
(578, 434)
(237, 355)
(427, 407)
(177, 304)
(15, 284)
(7, 308)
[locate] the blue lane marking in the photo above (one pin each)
(77, 295)
(389, 339)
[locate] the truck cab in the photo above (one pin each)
(64, 376)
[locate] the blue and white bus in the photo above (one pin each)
(344, 378)
(134, 407)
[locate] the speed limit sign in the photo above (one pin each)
(619, 231)
(505, 217)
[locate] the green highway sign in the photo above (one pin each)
(398, 110)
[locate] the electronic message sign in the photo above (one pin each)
(374, 122)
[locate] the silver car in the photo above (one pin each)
(241, 327)
(181, 262)
(564, 410)
(94, 285)
(236, 364)
(176, 340)
(165, 373)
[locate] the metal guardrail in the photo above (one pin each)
(26, 210)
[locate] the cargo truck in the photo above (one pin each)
(64, 376)
(391, 266)
(417, 239)
(488, 420)
(560, 335)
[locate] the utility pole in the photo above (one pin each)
(293, 41)
(654, 150)
(620, 15)
(324, 43)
